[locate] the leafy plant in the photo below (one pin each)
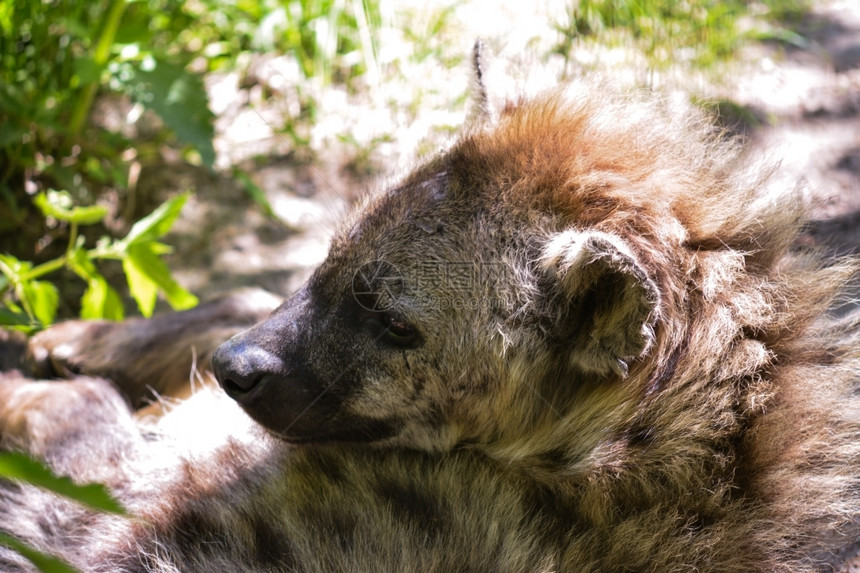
(55, 57)
(31, 303)
(20, 467)
(59, 58)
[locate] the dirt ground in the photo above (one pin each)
(810, 97)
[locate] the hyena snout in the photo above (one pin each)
(277, 391)
(244, 369)
(297, 375)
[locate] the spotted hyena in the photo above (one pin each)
(578, 339)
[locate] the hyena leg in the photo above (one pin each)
(82, 427)
(151, 357)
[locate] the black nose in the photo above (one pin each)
(241, 367)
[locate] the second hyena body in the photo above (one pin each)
(577, 340)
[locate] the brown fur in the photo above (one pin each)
(636, 372)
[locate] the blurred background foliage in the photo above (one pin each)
(703, 32)
(69, 68)
(58, 58)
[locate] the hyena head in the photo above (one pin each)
(499, 295)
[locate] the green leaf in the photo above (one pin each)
(87, 71)
(12, 102)
(79, 262)
(100, 300)
(12, 318)
(142, 288)
(137, 26)
(42, 561)
(147, 274)
(20, 467)
(59, 205)
(11, 133)
(160, 248)
(255, 192)
(156, 223)
(42, 298)
(177, 96)
(14, 269)
(6, 18)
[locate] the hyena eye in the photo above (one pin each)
(389, 328)
(399, 331)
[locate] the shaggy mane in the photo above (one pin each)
(731, 395)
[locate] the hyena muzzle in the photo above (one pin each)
(579, 339)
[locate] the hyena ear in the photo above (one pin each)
(491, 89)
(612, 304)
(480, 104)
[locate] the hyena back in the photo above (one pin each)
(579, 339)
